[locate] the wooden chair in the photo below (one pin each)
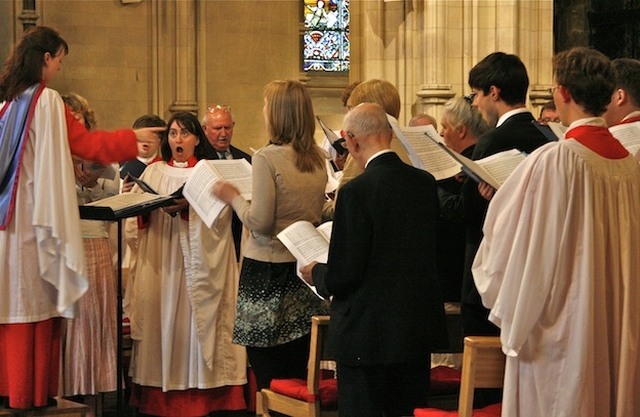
(306, 401)
(482, 367)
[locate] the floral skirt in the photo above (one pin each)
(274, 305)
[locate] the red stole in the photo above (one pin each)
(599, 140)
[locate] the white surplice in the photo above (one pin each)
(559, 267)
(186, 281)
(42, 265)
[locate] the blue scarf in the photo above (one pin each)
(15, 119)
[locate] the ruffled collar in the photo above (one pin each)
(189, 163)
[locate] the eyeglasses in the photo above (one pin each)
(217, 107)
(469, 99)
(552, 89)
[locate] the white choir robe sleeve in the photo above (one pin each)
(514, 266)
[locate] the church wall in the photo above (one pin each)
(131, 57)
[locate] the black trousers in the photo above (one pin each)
(384, 390)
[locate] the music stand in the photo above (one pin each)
(106, 213)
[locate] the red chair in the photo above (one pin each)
(482, 367)
(299, 398)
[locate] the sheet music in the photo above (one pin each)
(307, 244)
(421, 145)
(120, 201)
(198, 188)
(629, 136)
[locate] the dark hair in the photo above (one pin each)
(588, 75)
(23, 68)
(550, 105)
(627, 72)
(190, 122)
(149, 120)
(505, 71)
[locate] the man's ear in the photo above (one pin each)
(565, 94)
(620, 96)
(462, 132)
(352, 143)
(494, 93)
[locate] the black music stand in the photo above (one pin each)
(106, 213)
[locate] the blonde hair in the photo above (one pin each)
(78, 104)
(376, 91)
(290, 120)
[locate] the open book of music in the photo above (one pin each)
(627, 133)
(307, 243)
(427, 151)
(124, 205)
(198, 188)
(629, 136)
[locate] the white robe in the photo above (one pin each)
(559, 268)
(186, 281)
(42, 266)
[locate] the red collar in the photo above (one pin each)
(191, 162)
(630, 120)
(599, 140)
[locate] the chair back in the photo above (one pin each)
(299, 398)
(482, 367)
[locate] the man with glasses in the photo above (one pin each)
(218, 124)
(560, 260)
(500, 84)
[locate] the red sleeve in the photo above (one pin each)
(100, 146)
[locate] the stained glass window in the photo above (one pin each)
(326, 36)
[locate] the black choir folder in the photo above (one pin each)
(336, 142)
(426, 151)
(128, 204)
(134, 168)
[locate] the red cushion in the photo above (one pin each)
(492, 410)
(297, 388)
(444, 380)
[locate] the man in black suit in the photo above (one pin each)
(218, 124)
(500, 84)
(387, 311)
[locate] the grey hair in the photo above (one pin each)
(366, 122)
(458, 112)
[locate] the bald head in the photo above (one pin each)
(367, 131)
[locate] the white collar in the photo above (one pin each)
(510, 113)
(632, 114)
(375, 155)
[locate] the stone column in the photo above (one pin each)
(427, 47)
(185, 57)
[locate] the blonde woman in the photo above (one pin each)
(89, 347)
(371, 91)
(289, 176)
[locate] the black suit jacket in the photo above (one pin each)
(236, 224)
(387, 305)
(451, 241)
(518, 132)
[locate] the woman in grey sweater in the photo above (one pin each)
(289, 177)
